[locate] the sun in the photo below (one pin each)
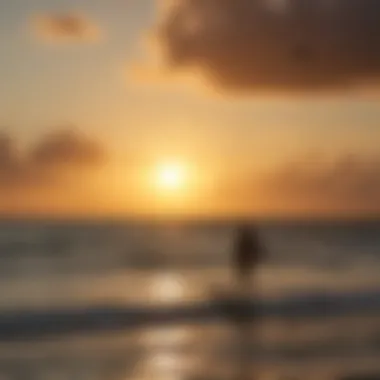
(171, 176)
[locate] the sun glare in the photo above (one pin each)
(172, 187)
(171, 176)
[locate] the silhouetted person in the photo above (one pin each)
(247, 252)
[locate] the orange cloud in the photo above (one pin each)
(255, 45)
(348, 184)
(66, 27)
(312, 186)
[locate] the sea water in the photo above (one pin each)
(61, 266)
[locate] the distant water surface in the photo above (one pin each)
(48, 265)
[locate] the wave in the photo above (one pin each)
(35, 324)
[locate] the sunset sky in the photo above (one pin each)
(264, 103)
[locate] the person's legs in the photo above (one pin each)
(244, 281)
(246, 325)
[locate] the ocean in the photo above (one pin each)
(136, 300)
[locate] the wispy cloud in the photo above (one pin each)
(66, 28)
(278, 45)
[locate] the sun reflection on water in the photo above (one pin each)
(166, 288)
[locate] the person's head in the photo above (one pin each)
(244, 228)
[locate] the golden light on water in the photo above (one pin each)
(166, 288)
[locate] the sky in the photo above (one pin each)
(272, 104)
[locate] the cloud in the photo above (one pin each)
(272, 45)
(67, 148)
(11, 168)
(312, 185)
(66, 27)
(49, 161)
(66, 166)
(350, 183)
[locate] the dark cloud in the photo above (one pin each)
(349, 183)
(12, 169)
(49, 160)
(67, 148)
(279, 45)
(8, 153)
(66, 27)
